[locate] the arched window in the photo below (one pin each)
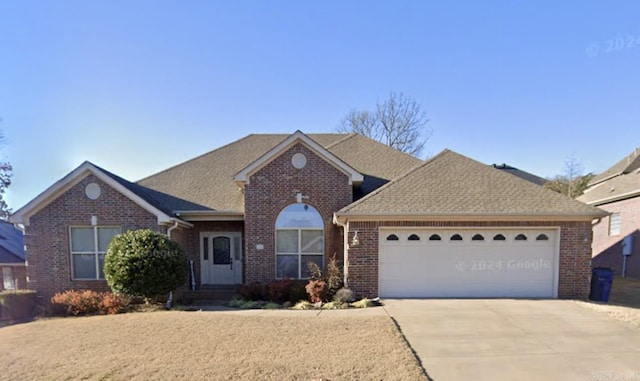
(392, 237)
(499, 237)
(435, 237)
(542, 237)
(456, 237)
(477, 237)
(414, 237)
(521, 237)
(299, 240)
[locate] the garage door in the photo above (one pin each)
(468, 263)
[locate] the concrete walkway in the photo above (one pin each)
(517, 340)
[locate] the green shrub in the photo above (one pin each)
(317, 290)
(87, 302)
(252, 291)
(271, 306)
(17, 305)
(144, 262)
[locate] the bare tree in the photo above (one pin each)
(5, 181)
(398, 122)
(573, 181)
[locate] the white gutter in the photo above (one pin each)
(175, 225)
(345, 238)
(19, 227)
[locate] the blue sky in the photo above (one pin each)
(137, 86)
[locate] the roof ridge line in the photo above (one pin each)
(341, 140)
(393, 181)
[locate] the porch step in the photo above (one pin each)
(210, 294)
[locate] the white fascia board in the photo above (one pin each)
(74, 177)
(242, 177)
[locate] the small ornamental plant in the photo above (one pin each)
(144, 263)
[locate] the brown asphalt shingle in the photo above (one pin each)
(622, 179)
(452, 184)
(207, 180)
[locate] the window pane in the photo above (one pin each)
(101, 265)
(221, 251)
(287, 241)
(317, 259)
(205, 248)
(299, 216)
(82, 239)
(287, 266)
(105, 235)
(7, 278)
(614, 224)
(312, 241)
(84, 266)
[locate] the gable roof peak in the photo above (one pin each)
(242, 177)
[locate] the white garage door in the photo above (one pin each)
(468, 263)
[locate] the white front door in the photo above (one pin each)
(221, 258)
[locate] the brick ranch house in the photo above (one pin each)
(261, 207)
(617, 190)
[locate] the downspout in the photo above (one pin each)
(19, 227)
(175, 225)
(345, 245)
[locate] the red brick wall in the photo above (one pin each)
(607, 250)
(274, 187)
(19, 277)
(47, 236)
(575, 253)
(189, 239)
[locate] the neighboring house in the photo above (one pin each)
(13, 274)
(264, 206)
(617, 190)
(521, 174)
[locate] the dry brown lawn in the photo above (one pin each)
(625, 291)
(208, 345)
(624, 301)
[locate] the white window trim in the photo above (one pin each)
(95, 251)
(299, 252)
(619, 218)
(12, 284)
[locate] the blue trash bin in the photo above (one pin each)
(601, 282)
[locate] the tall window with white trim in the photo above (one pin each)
(614, 224)
(88, 247)
(299, 240)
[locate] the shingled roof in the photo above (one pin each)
(11, 245)
(207, 180)
(450, 184)
(620, 181)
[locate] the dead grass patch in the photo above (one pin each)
(625, 292)
(206, 345)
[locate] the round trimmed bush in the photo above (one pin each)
(144, 263)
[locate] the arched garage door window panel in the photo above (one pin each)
(299, 240)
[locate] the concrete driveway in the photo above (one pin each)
(517, 340)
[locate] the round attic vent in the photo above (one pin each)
(299, 161)
(92, 191)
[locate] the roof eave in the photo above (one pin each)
(343, 217)
(619, 197)
(210, 215)
(22, 215)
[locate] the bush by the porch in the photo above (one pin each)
(17, 305)
(144, 263)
